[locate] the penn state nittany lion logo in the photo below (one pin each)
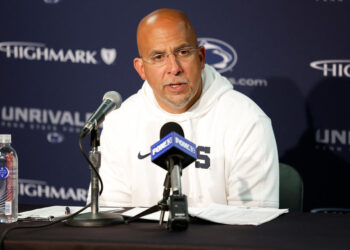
(55, 137)
(219, 54)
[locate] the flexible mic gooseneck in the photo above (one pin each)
(111, 100)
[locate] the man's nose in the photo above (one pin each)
(173, 64)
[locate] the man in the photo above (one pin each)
(237, 157)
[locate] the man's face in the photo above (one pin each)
(177, 84)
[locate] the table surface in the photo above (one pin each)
(289, 231)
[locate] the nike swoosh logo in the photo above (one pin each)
(142, 156)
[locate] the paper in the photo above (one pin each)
(222, 214)
(232, 215)
(49, 213)
(218, 213)
(154, 216)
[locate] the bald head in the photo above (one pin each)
(163, 19)
(177, 83)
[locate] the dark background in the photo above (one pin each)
(274, 40)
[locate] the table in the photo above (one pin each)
(289, 231)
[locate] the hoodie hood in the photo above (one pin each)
(214, 86)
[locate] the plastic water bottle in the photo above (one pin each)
(8, 181)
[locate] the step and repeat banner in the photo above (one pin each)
(59, 57)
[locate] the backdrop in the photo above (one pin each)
(59, 57)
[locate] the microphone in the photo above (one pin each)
(173, 145)
(173, 153)
(111, 100)
(171, 127)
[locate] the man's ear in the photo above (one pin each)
(202, 56)
(138, 65)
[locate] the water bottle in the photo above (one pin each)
(8, 181)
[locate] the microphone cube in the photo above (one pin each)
(173, 145)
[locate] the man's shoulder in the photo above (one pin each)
(236, 103)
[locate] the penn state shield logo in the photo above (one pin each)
(108, 55)
(219, 54)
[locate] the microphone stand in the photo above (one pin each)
(162, 205)
(178, 208)
(176, 203)
(95, 218)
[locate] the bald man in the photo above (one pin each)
(237, 157)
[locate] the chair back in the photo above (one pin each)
(291, 188)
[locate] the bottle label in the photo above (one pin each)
(4, 172)
(9, 181)
(8, 207)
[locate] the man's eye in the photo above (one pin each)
(158, 57)
(183, 52)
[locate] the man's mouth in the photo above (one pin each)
(175, 84)
(179, 86)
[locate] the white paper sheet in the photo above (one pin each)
(222, 214)
(154, 216)
(52, 212)
(232, 215)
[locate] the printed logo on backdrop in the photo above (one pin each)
(336, 140)
(32, 51)
(41, 189)
(52, 1)
(108, 55)
(333, 68)
(219, 54)
(329, 1)
(55, 123)
(223, 57)
(55, 137)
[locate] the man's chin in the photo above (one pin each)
(179, 103)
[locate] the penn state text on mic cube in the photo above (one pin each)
(111, 100)
(8, 181)
(173, 144)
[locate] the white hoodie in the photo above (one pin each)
(237, 155)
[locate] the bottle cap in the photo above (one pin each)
(5, 138)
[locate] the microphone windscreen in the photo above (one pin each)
(114, 97)
(171, 127)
